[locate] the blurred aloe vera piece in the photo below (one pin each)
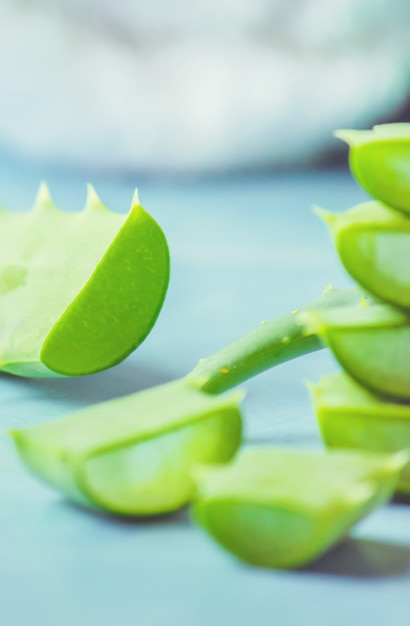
(79, 291)
(282, 509)
(372, 343)
(379, 160)
(134, 455)
(350, 416)
(373, 243)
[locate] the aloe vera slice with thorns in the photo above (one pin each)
(379, 160)
(351, 416)
(373, 243)
(281, 508)
(79, 291)
(372, 343)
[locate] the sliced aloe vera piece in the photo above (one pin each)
(350, 416)
(134, 455)
(79, 291)
(379, 160)
(281, 508)
(372, 343)
(373, 243)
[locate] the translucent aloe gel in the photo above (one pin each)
(134, 455)
(379, 160)
(373, 243)
(371, 343)
(79, 291)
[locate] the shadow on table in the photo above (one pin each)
(352, 558)
(401, 498)
(363, 558)
(118, 381)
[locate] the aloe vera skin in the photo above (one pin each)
(373, 243)
(371, 343)
(282, 509)
(380, 161)
(80, 290)
(350, 416)
(134, 455)
(271, 343)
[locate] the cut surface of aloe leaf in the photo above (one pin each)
(79, 291)
(134, 455)
(372, 343)
(350, 416)
(373, 243)
(379, 160)
(281, 508)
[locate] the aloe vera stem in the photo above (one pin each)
(271, 343)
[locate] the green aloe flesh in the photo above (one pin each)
(373, 243)
(379, 160)
(371, 343)
(134, 455)
(350, 416)
(282, 509)
(79, 291)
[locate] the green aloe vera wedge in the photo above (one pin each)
(134, 455)
(379, 160)
(350, 416)
(79, 291)
(371, 343)
(373, 243)
(282, 509)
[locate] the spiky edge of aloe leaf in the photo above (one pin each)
(141, 244)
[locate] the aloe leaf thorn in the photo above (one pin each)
(79, 291)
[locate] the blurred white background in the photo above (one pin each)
(196, 86)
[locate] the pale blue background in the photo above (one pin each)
(243, 250)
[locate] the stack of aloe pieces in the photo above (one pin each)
(368, 406)
(155, 451)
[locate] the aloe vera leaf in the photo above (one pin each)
(271, 343)
(79, 291)
(350, 416)
(372, 343)
(373, 243)
(379, 160)
(134, 455)
(281, 508)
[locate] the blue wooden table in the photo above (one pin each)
(242, 250)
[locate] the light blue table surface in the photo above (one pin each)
(242, 250)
